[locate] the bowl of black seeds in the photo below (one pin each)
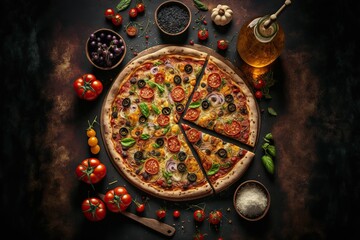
(173, 17)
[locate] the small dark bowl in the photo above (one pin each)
(173, 17)
(115, 57)
(260, 187)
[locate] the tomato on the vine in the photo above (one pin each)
(117, 20)
(199, 236)
(109, 13)
(258, 94)
(203, 34)
(199, 215)
(117, 199)
(222, 44)
(161, 213)
(176, 214)
(215, 217)
(140, 207)
(133, 12)
(91, 170)
(93, 209)
(259, 84)
(140, 7)
(88, 87)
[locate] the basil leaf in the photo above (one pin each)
(268, 163)
(200, 5)
(145, 136)
(144, 109)
(166, 130)
(155, 145)
(214, 169)
(155, 109)
(272, 111)
(128, 142)
(194, 105)
(123, 4)
(271, 150)
(265, 146)
(153, 84)
(268, 137)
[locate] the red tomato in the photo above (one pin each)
(196, 96)
(93, 209)
(163, 120)
(178, 94)
(192, 114)
(199, 215)
(215, 217)
(176, 214)
(222, 44)
(214, 80)
(193, 135)
(259, 84)
(109, 13)
(199, 236)
(258, 94)
(160, 213)
(91, 170)
(140, 207)
(203, 34)
(233, 128)
(159, 77)
(152, 166)
(133, 12)
(131, 31)
(173, 144)
(88, 87)
(117, 20)
(117, 199)
(140, 7)
(147, 93)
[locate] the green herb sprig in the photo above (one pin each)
(269, 153)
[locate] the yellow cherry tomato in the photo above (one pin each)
(92, 141)
(95, 149)
(91, 132)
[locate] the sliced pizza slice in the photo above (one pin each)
(223, 162)
(224, 103)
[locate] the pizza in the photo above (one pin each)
(142, 117)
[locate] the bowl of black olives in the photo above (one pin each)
(105, 49)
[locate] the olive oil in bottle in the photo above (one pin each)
(261, 40)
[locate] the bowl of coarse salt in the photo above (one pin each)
(252, 200)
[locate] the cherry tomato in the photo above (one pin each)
(140, 207)
(215, 217)
(95, 149)
(90, 132)
(199, 236)
(199, 215)
(88, 87)
(140, 7)
(152, 166)
(259, 84)
(160, 78)
(222, 44)
(133, 12)
(91, 170)
(117, 20)
(93, 209)
(258, 94)
(160, 213)
(203, 34)
(93, 141)
(176, 214)
(131, 31)
(109, 13)
(117, 199)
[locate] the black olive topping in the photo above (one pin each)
(114, 114)
(186, 79)
(166, 111)
(231, 107)
(203, 85)
(222, 153)
(181, 167)
(243, 111)
(123, 131)
(181, 156)
(126, 102)
(188, 68)
(138, 156)
(142, 119)
(180, 108)
(159, 141)
(191, 177)
(141, 83)
(177, 79)
(229, 98)
(205, 104)
(133, 80)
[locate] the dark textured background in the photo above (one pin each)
(315, 190)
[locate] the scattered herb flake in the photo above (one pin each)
(271, 111)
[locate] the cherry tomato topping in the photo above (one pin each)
(151, 166)
(93, 209)
(140, 7)
(159, 78)
(214, 80)
(192, 114)
(233, 128)
(196, 96)
(176, 213)
(163, 120)
(178, 94)
(133, 12)
(193, 135)
(147, 92)
(160, 213)
(117, 20)
(173, 144)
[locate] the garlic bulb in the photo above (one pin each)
(221, 15)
